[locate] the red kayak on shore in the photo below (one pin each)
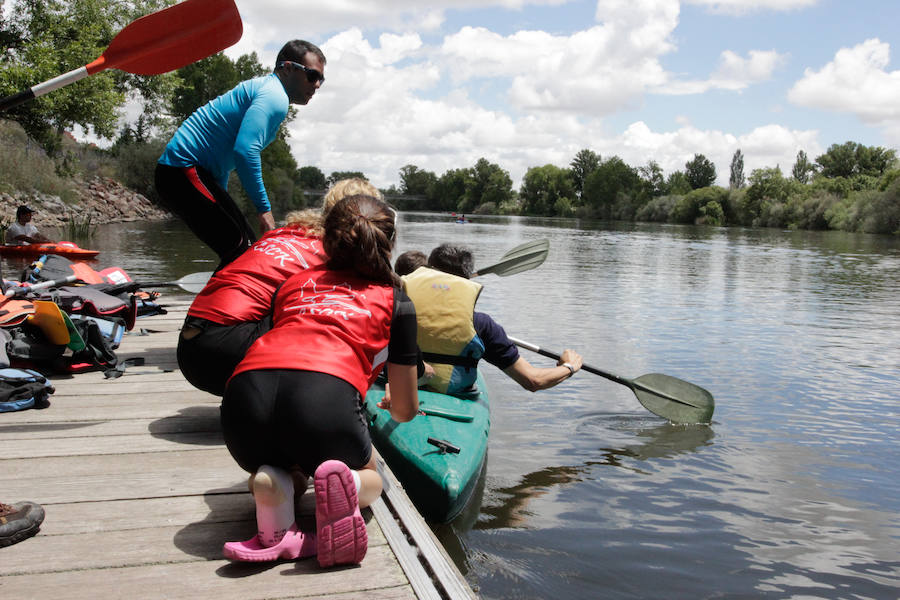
(67, 249)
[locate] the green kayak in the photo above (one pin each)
(438, 455)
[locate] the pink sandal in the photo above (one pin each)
(295, 544)
(341, 530)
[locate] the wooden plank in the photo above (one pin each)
(92, 410)
(196, 420)
(135, 547)
(447, 576)
(119, 444)
(55, 480)
(206, 579)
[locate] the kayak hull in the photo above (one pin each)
(67, 249)
(440, 483)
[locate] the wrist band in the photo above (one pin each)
(569, 367)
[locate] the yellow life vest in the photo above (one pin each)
(445, 307)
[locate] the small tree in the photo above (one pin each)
(489, 183)
(603, 187)
(338, 175)
(547, 190)
(737, 181)
(654, 179)
(584, 163)
(700, 171)
(677, 183)
(802, 168)
(311, 178)
(415, 181)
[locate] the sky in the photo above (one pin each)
(524, 83)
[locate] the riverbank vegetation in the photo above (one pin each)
(850, 187)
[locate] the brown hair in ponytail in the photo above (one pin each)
(359, 236)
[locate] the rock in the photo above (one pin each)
(103, 199)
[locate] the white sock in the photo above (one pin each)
(356, 480)
(273, 490)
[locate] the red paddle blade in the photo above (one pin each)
(172, 38)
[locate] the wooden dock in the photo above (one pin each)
(140, 494)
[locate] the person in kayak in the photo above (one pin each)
(23, 231)
(409, 261)
(235, 306)
(295, 400)
(453, 342)
(227, 134)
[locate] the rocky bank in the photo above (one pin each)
(104, 200)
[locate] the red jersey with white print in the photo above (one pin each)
(330, 322)
(242, 290)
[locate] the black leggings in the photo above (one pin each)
(287, 418)
(192, 194)
(209, 358)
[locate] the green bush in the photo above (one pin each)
(563, 207)
(836, 186)
(136, 165)
(711, 213)
(688, 208)
(811, 212)
(25, 167)
(882, 213)
(888, 178)
(658, 209)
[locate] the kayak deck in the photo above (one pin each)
(439, 455)
(67, 249)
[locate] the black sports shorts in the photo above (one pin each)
(287, 418)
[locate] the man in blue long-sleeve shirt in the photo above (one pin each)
(227, 134)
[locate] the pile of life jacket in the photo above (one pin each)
(72, 327)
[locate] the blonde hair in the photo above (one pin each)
(312, 220)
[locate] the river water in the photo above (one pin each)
(793, 491)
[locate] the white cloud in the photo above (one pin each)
(733, 73)
(765, 146)
(282, 20)
(856, 81)
(739, 7)
(595, 71)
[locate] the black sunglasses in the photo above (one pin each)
(312, 75)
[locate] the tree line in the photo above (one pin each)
(849, 187)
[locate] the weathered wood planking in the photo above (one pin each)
(140, 494)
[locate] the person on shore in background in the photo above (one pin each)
(23, 231)
(235, 307)
(453, 342)
(295, 401)
(227, 134)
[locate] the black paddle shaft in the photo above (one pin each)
(588, 368)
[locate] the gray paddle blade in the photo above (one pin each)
(674, 399)
(521, 258)
(195, 282)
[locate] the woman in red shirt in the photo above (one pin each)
(294, 402)
(235, 307)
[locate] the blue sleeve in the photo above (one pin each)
(258, 128)
(498, 350)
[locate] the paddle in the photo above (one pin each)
(156, 43)
(524, 257)
(24, 289)
(192, 283)
(669, 397)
